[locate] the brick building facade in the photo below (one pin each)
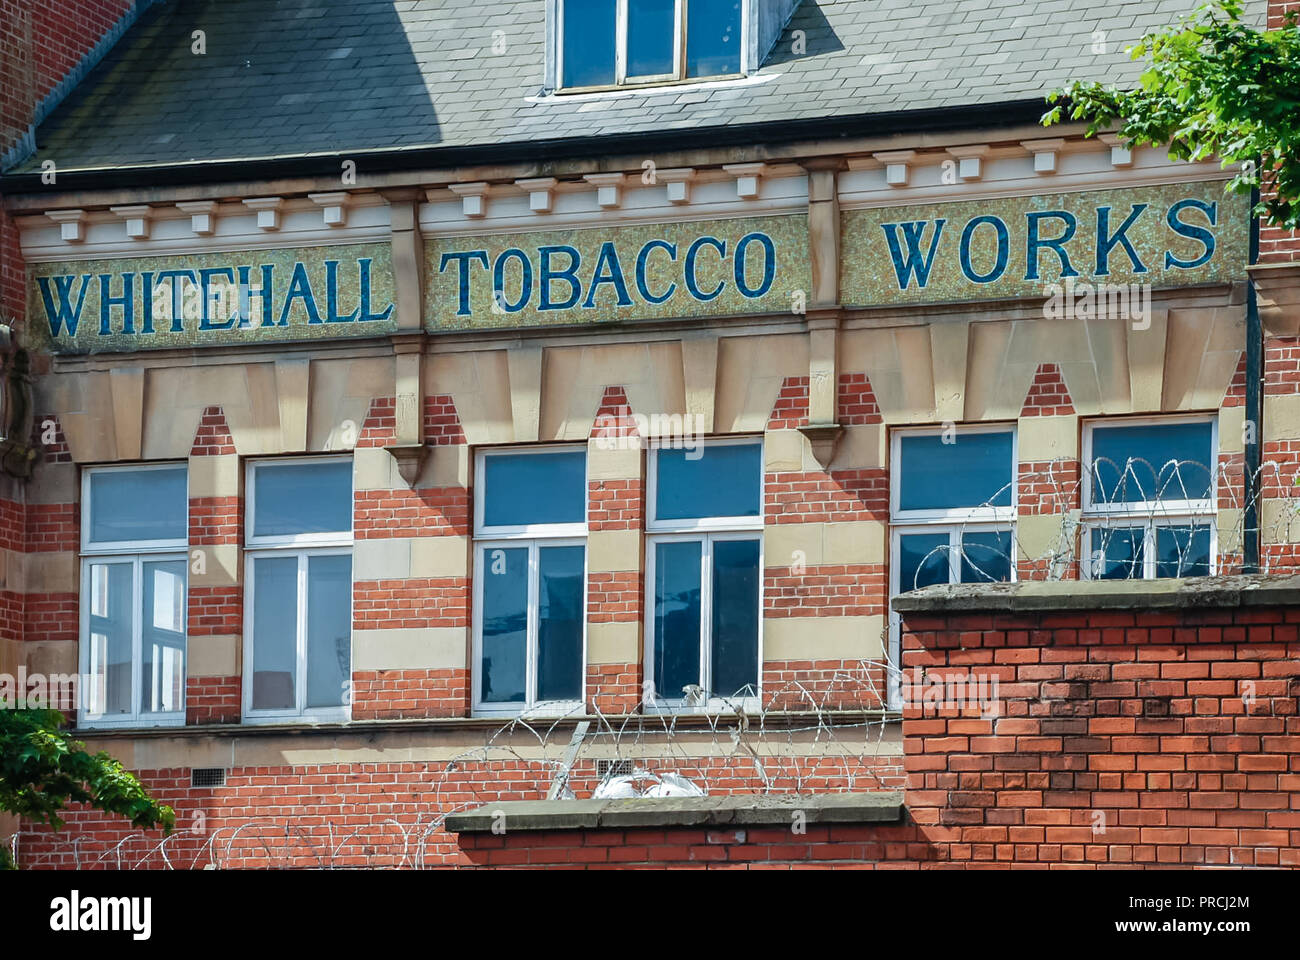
(378, 457)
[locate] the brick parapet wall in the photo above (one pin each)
(375, 814)
(1136, 737)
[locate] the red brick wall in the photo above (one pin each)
(413, 602)
(40, 42)
(1138, 739)
(51, 528)
(213, 611)
(1117, 738)
(1048, 395)
(44, 40)
(373, 813)
(615, 596)
(1277, 9)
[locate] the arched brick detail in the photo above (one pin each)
(379, 429)
(1048, 395)
(212, 438)
(1235, 395)
(613, 416)
(791, 408)
(442, 426)
(855, 402)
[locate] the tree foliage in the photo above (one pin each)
(42, 770)
(1214, 85)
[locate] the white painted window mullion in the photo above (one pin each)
(533, 622)
(300, 694)
(706, 615)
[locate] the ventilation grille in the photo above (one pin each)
(207, 777)
(613, 768)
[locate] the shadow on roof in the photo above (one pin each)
(277, 79)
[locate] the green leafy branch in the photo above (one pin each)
(1213, 86)
(42, 770)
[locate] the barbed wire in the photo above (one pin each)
(827, 731)
(830, 734)
(1129, 521)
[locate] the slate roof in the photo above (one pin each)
(286, 78)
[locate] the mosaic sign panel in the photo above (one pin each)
(211, 299)
(1166, 235)
(729, 267)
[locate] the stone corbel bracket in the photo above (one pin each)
(17, 453)
(824, 439)
(410, 459)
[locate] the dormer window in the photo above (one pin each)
(604, 44)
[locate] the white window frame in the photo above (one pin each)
(534, 536)
(299, 712)
(136, 717)
(710, 530)
(1148, 526)
(955, 532)
(530, 530)
(531, 706)
(680, 33)
(107, 547)
(303, 547)
(952, 521)
(1149, 515)
(714, 704)
(1142, 507)
(136, 553)
(979, 514)
(708, 524)
(327, 539)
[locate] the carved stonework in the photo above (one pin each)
(824, 438)
(17, 455)
(410, 460)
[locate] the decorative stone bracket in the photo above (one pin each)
(410, 459)
(825, 438)
(17, 455)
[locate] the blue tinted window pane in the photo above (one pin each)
(589, 42)
(533, 488)
(329, 629)
(297, 498)
(275, 632)
(677, 617)
(1183, 551)
(559, 623)
(1169, 461)
(972, 471)
(986, 557)
(649, 37)
(722, 481)
(111, 601)
(922, 560)
(138, 505)
(162, 642)
(712, 37)
(735, 618)
(1117, 553)
(505, 624)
